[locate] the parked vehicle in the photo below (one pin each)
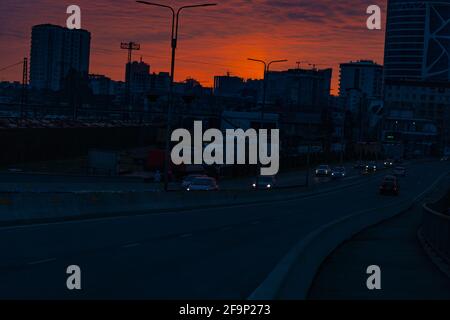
(390, 186)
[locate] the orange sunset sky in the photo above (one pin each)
(213, 41)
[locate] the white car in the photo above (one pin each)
(323, 171)
(188, 180)
(203, 184)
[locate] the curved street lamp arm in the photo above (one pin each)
(162, 6)
(275, 61)
(190, 7)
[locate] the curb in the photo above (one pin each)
(432, 254)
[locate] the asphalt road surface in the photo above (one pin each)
(35, 182)
(201, 254)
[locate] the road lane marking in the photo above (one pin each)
(41, 261)
(131, 245)
(187, 235)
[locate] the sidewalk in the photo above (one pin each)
(406, 270)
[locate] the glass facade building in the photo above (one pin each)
(418, 40)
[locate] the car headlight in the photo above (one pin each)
(254, 185)
(269, 186)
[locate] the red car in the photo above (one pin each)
(390, 186)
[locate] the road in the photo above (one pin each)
(211, 253)
(36, 182)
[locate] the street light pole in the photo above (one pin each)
(266, 71)
(174, 42)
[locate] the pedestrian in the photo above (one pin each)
(157, 176)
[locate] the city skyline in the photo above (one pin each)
(213, 41)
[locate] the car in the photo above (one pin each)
(388, 163)
(338, 172)
(371, 167)
(264, 183)
(323, 171)
(188, 180)
(390, 186)
(399, 171)
(359, 165)
(203, 184)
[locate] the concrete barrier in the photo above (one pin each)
(30, 208)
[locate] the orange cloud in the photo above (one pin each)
(213, 40)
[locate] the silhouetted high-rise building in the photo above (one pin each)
(364, 75)
(299, 89)
(138, 73)
(55, 51)
(228, 86)
(418, 40)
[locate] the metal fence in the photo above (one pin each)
(436, 228)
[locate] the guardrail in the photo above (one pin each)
(436, 231)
